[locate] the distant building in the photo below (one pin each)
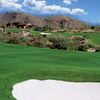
(23, 25)
(28, 25)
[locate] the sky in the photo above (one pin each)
(86, 10)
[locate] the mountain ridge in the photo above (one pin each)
(53, 22)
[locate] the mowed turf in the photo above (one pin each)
(95, 38)
(20, 63)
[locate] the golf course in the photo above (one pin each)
(20, 63)
(49, 50)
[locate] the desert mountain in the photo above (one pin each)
(54, 22)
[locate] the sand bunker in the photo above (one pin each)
(56, 90)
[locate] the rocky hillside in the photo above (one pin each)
(53, 22)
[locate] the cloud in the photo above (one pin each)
(78, 11)
(35, 3)
(55, 9)
(99, 21)
(10, 5)
(41, 5)
(68, 2)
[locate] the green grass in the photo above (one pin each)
(95, 38)
(33, 32)
(13, 30)
(19, 63)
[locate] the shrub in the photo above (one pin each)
(77, 43)
(83, 47)
(98, 48)
(72, 46)
(39, 41)
(58, 42)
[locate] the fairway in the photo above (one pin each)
(20, 63)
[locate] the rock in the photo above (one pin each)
(91, 50)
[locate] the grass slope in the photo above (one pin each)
(19, 63)
(95, 38)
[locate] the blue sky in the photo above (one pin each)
(86, 10)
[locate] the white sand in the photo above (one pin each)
(56, 90)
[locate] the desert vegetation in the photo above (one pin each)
(59, 40)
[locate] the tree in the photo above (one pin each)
(62, 24)
(92, 27)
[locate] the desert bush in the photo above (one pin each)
(83, 47)
(4, 37)
(14, 39)
(40, 29)
(39, 41)
(72, 46)
(44, 28)
(76, 43)
(58, 42)
(98, 48)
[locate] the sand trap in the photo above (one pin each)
(56, 90)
